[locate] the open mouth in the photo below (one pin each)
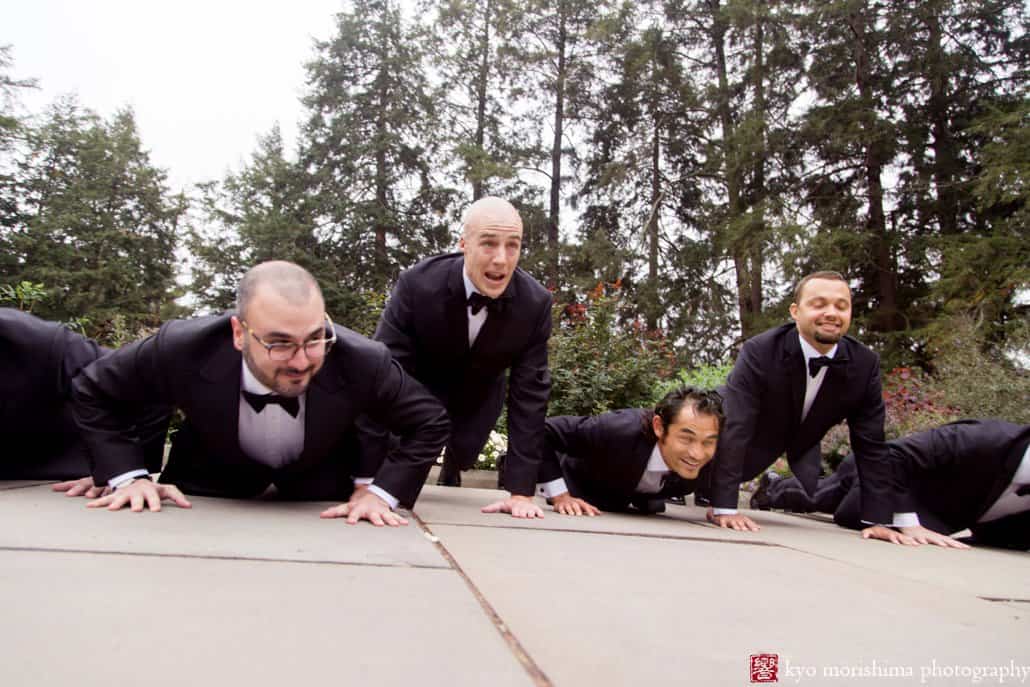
(495, 277)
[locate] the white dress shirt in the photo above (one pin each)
(475, 321)
(654, 474)
(1010, 503)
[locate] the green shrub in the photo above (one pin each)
(600, 361)
(980, 379)
(704, 377)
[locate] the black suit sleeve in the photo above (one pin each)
(110, 398)
(584, 437)
(878, 477)
(393, 330)
(742, 399)
(529, 387)
(74, 352)
(394, 327)
(408, 410)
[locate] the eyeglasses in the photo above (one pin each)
(281, 351)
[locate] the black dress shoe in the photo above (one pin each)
(648, 506)
(448, 479)
(761, 500)
(701, 500)
(677, 500)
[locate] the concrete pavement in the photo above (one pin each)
(266, 593)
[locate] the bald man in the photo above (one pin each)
(470, 326)
(270, 396)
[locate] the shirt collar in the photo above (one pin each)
(251, 383)
(470, 288)
(809, 350)
(656, 463)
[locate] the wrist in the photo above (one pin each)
(128, 482)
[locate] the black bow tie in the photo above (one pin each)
(815, 364)
(258, 402)
(1023, 490)
(478, 301)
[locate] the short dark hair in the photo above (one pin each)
(703, 401)
(825, 274)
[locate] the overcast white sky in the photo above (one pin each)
(205, 78)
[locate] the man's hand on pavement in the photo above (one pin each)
(518, 506)
(367, 506)
(741, 523)
(141, 493)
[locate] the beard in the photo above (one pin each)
(827, 338)
(273, 381)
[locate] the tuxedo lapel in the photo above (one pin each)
(321, 414)
(218, 400)
(456, 310)
(794, 364)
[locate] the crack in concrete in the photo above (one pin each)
(643, 535)
(536, 674)
(217, 557)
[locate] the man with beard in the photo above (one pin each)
(470, 326)
(270, 395)
(789, 386)
(634, 459)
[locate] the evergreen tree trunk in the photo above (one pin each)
(731, 171)
(556, 152)
(946, 164)
(886, 316)
(482, 81)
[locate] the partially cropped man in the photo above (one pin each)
(472, 326)
(270, 395)
(971, 474)
(38, 361)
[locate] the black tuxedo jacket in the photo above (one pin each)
(602, 457)
(38, 360)
(193, 365)
(954, 473)
(425, 326)
(763, 399)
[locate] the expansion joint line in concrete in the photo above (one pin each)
(521, 655)
(216, 557)
(1003, 599)
(640, 535)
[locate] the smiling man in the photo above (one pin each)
(270, 396)
(470, 325)
(631, 460)
(789, 386)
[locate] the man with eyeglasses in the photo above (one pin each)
(270, 395)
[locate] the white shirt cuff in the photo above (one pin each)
(556, 487)
(384, 495)
(363, 480)
(906, 520)
(724, 511)
(126, 477)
